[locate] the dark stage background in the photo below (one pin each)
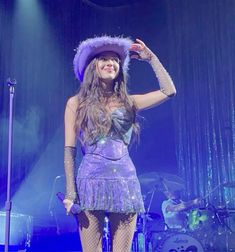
(192, 135)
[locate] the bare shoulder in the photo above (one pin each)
(72, 103)
(73, 100)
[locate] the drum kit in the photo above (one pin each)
(207, 228)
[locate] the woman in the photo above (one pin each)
(102, 117)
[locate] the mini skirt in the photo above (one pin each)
(109, 184)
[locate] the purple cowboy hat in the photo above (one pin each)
(89, 48)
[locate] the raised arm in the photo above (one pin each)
(167, 87)
(183, 206)
(70, 153)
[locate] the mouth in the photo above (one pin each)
(109, 69)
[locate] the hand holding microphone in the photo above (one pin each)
(69, 205)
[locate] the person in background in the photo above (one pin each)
(175, 210)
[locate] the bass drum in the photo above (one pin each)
(180, 242)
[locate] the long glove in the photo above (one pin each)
(142, 52)
(165, 82)
(69, 166)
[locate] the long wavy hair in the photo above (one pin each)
(92, 117)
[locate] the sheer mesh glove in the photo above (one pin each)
(165, 82)
(69, 166)
(141, 52)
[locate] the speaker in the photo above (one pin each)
(21, 227)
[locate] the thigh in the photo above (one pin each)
(91, 225)
(122, 228)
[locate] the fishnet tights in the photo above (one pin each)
(122, 227)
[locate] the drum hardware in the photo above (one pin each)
(151, 198)
(148, 216)
(139, 240)
(106, 235)
(200, 216)
(208, 224)
(139, 243)
(229, 184)
(197, 217)
(151, 216)
(220, 216)
(222, 224)
(150, 183)
(211, 227)
(142, 236)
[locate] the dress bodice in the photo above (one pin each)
(114, 144)
(106, 178)
(122, 124)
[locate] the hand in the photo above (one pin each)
(197, 201)
(140, 51)
(67, 204)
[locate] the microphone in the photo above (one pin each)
(11, 82)
(75, 209)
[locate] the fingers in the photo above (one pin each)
(67, 204)
(197, 201)
(140, 51)
(136, 47)
(141, 42)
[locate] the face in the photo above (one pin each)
(172, 195)
(108, 66)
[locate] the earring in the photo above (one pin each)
(116, 87)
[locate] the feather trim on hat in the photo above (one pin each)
(89, 48)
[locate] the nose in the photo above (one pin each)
(109, 62)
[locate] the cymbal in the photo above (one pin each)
(159, 176)
(229, 184)
(162, 181)
(150, 177)
(172, 186)
(171, 177)
(148, 181)
(151, 216)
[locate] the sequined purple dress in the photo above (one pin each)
(106, 178)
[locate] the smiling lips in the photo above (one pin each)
(109, 69)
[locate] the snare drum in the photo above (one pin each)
(179, 242)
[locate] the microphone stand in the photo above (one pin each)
(8, 204)
(53, 195)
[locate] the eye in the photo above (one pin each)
(116, 59)
(102, 58)
(105, 59)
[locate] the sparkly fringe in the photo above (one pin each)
(111, 195)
